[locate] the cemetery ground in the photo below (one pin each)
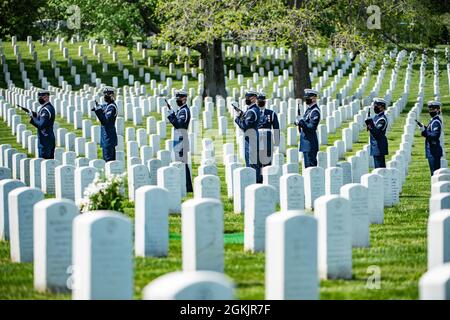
(397, 247)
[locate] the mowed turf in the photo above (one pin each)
(398, 247)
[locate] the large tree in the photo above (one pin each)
(202, 25)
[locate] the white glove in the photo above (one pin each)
(30, 114)
(297, 120)
(422, 128)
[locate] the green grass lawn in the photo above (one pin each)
(398, 246)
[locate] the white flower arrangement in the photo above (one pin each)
(104, 193)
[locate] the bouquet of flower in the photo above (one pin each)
(104, 193)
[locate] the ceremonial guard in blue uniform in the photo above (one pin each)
(43, 120)
(307, 126)
(269, 132)
(180, 121)
(432, 134)
(107, 114)
(377, 127)
(248, 121)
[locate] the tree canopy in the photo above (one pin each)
(357, 26)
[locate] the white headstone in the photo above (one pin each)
(21, 202)
(151, 223)
(35, 173)
(346, 171)
(291, 256)
(5, 173)
(169, 178)
(292, 192)
(357, 195)
(153, 166)
(242, 177)
(440, 187)
(259, 204)
(182, 169)
(334, 180)
(115, 167)
(6, 186)
(48, 175)
(438, 239)
(435, 284)
(190, 285)
(375, 185)
(439, 202)
(138, 177)
(314, 178)
(83, 177)
(334, 237)
(65, 182)
(102, 256)
(202, 235)
(53, 243)
(207, 186)
(271, 176)
(387, 185)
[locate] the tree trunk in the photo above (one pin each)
(213, 69)
(300, 67)
(300, 60)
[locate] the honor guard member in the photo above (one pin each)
(432, 134)
(377, 127)
(43, 120)
(248, 121)
(307, 126)
(267, 137)
(107, 114)
(180, 121)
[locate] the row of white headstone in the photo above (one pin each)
(437, 96)
(434, 284)
(285, 74)
(283, 293)
(61, 82)
(76, 118)
(260, 202)
(92, 254)
(79, 144)
(130, 156)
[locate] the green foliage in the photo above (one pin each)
(105, 193)
(17, 17)
(193, 23)
(341, 23)
(117, 21)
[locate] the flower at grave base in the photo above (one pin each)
(104, 193)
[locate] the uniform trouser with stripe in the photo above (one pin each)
(182, 157)
(46, 152)
(434, 163)
(251, 161)
(379, 161)
(310, 159)
(109, 153)
(265, 148)
(188, 179)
